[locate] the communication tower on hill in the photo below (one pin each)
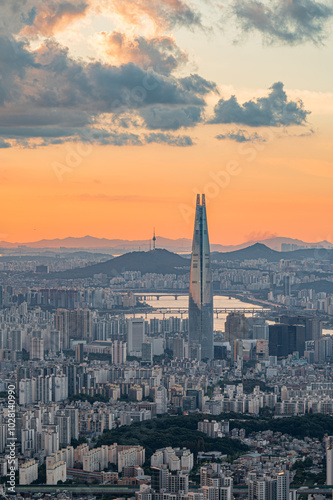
(154, 240)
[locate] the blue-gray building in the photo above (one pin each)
(201, 286)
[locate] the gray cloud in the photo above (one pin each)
(21, 117)
(27, 136)
(164, 118)
(35, 132)
(57, 135)
(58, 81)
(15, 60)
(185, 16)
(48, 94)
(241, 136)
(106, 138)
(4, 144)
(171, 140)
(195, 83)
(286, 21)
(272, 111)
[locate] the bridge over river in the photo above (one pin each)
(217, 311)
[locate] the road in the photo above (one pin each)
(79, 490)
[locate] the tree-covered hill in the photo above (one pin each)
(170, 431)
(182, 431)
(309, 425)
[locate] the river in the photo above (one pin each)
(220, 302)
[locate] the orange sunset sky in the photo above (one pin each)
(114, 114)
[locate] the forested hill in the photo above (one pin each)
(182, 432)
(170, 431)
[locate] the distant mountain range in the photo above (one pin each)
(260, 251)
(164, 262)
(182, 245)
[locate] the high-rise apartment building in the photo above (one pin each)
(61, 323)
(80, 324)
(161, 400)
(28, 472)
(79, 354)
(236, 327)
(201, 285)
(313, 325)
(286, 339)
(329, 460)
(147, 352)
(178, 347)
(16, 340)
(75, 324)
(63, 422)
(323, 349)
(118, 352)
(73, 414)
(282, 487)
(269, 487)
(36, 348)
(135, 336)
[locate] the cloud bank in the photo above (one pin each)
(241, 136)
(288, 22)
(275, 110)
(135, 95)
(47, 94)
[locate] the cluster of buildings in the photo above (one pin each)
(217, 481)
(60, 261)
(81, 367)
(176, 459)
(65, 298)
(82, 462)
(46, 420)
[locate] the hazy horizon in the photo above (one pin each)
(83, 239)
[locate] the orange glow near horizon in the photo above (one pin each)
(124, 192)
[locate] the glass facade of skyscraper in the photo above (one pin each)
(201, 285)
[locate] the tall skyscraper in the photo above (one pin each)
(79, 354)
(201, 285)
